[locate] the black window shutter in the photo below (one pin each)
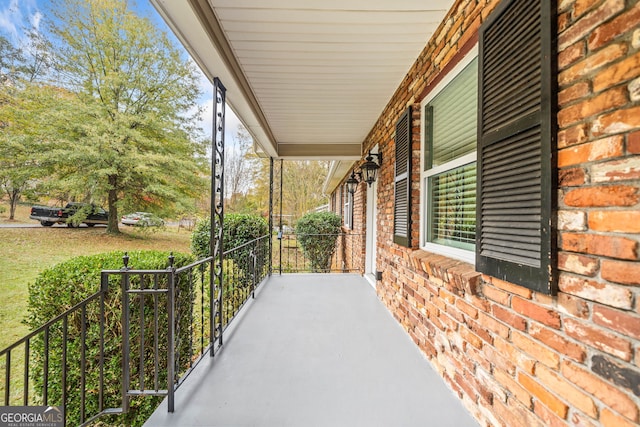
(516, 132)
(402, 182)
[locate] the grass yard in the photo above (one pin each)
(25, 252)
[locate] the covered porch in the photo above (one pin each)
(315, 350)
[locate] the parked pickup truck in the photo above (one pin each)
(49, 216)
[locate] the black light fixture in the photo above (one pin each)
(352, 183)
(368, 173)
(370, 168)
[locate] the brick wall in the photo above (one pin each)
(517, 357)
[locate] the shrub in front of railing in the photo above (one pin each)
(238, 229)
(67, 284)
(317, 233)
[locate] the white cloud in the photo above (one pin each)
(11, 19)
(35, 20)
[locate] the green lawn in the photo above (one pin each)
(25, 252)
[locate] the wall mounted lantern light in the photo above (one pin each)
(352, 182)
(368, 173)
(370, 168)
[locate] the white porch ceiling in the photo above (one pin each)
(308, 78)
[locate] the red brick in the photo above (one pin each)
(493, 325)
(616, 320)
(571, 177)
(549, 418)
(618, 170)
(617, 73)
(615, 296)
(516, 390)
(580, 420)
(534, 311)
(573, 93)
(467, 308)
(615, 221)
(543, 395)
(571, 54)
(513, 414)
(579, 264)
(627, 273)
(633, 142)
(509, 317)
(608, 394)
(610, 419)
(582, 6)
(566, 391)
(521, 359)
(573, 306)
(591, 64)
(609, 246)
(621, 120)
(510, 287)
(573, 135)
(605, 33)
(496, 295)
(606, 101)
(606, 148)
(557, 342)
(612, 195)
(499, 359)
(539, 352)
(588, 23)
(470, 337)
(598, 338)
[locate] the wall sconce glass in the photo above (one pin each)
(370, 168)
(352, 183)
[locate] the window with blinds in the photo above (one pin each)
(449, 164)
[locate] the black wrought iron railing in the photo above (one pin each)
(318, 253)
(168, 321)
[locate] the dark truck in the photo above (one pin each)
(49, 216)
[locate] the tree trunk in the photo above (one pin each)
(14, 197)
(112, 227)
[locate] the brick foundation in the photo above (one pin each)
(514, 356)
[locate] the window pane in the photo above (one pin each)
(452, 121)
(452, 202)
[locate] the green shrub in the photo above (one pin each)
(67, 284)
(238, 229)
(317, 233)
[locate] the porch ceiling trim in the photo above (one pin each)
(307, 79)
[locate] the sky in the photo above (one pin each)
(16, 15)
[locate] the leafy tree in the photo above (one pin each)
(22, 102)
(302, 183)
(128, 134)
(239, 169)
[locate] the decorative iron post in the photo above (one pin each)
(280, 232)
(270, 216)
(217, 214)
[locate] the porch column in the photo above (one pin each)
(217, 215)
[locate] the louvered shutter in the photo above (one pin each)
(515, 238)
(402, 182)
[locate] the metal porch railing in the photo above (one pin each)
(325, 253)
(165, 328)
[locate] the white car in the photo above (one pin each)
(142, 219)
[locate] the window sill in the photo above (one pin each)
(457, 276)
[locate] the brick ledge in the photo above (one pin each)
(459, 276)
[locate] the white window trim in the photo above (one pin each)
(348, 210)
(448, 251)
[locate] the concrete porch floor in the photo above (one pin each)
(315, 350)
